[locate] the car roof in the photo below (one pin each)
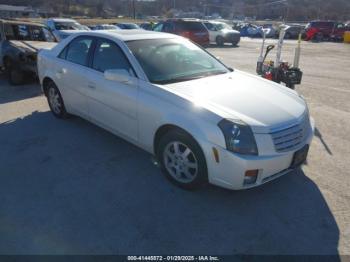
(61, 20)
(126, 24)
(213, 22)
(20, 22)
(129, 35)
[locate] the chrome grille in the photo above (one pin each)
(290, 138)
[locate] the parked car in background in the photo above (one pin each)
(63, 27)
(19, 44)
(292, 31)
(269, 30)
(127, 26)
(250, 30)
(194, 30)
(203, 121)
(221, 33)
(324, 30)
(105, 27)
(147, 26)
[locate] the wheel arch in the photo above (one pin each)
(46, 81)
(5, 59)
(164, 129)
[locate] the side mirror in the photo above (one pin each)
(118, 75)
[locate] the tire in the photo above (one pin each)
(287, 36)
(182, 160)
(235, 43)
(318, 37)
(220, 41)
(55, 101)
(15, 76)
(291, 86)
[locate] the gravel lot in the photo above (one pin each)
(68, 187)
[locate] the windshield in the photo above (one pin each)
(68, 26)
(222, 26)
(129, 26)
(174, 60)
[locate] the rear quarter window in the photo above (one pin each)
(191, 26)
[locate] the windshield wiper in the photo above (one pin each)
(189, 78)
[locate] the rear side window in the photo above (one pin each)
(191, 26)
(9, 32)
(23, 32)
(77, 51)
(108, 55)
(322, 24)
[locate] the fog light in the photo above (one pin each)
(250, 177)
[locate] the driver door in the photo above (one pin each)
(112, 104)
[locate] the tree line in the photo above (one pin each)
(261, 9)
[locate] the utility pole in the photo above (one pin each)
(174, 4)
(133, 9)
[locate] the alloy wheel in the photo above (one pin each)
(54, 100)
(180, 162)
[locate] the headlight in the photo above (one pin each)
(239, 137)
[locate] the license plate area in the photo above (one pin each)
(300, 157)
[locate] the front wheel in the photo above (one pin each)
(14, 75)
(319, 37)
(55, 101)
(220, 41)
(182, 160)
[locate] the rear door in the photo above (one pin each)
(71, 71)
(196, 30)
(112, 104)
(2, 38)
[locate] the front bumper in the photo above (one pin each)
(232, 38)
(230, 171)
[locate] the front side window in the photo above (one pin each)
(68, 25)
(39, 33)
(108, 55)
(168, 27)
(158, 27)
(78, 50)
(210, 26)
(174, 60)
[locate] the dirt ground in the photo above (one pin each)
(68, 187)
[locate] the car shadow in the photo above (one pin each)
(69, 187)
(223, 46)
(10, 93)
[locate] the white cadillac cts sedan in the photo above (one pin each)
(203, 121)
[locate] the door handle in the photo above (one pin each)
(62, 71)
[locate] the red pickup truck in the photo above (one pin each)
(325, 30)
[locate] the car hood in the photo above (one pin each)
(229, 31)
(33, 46)
(262, 104)
(71, 31)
